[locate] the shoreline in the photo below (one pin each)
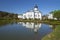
(53, 22)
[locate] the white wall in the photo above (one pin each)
(20, 16)
(24, 16)
(32, 14)
(50, 16)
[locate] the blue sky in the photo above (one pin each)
(21, 6)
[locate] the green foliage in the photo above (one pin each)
(6, 15)
(56, 14)
(55, 35)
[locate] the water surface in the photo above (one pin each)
(24, 31)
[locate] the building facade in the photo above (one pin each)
(50, 16)
(32, 14)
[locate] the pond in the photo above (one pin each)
(25, 31)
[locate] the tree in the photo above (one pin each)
(56, 14)
(7, 15)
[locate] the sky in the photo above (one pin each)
(21, 6)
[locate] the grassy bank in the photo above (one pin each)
(6, 21)
(55, 35)
(53, 22)
(41, 21)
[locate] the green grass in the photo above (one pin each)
(55, 35)
(4, 22)
(51, 22)
(41, 21)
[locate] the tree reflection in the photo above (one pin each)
(55, 35)
(52, 26)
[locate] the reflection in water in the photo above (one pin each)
(24, 31)
(32, 26)
(52, 26)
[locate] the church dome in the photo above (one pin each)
(35, 6)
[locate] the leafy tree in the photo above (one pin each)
(7, 15)
(56, 14)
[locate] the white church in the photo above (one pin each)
(32, 14)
